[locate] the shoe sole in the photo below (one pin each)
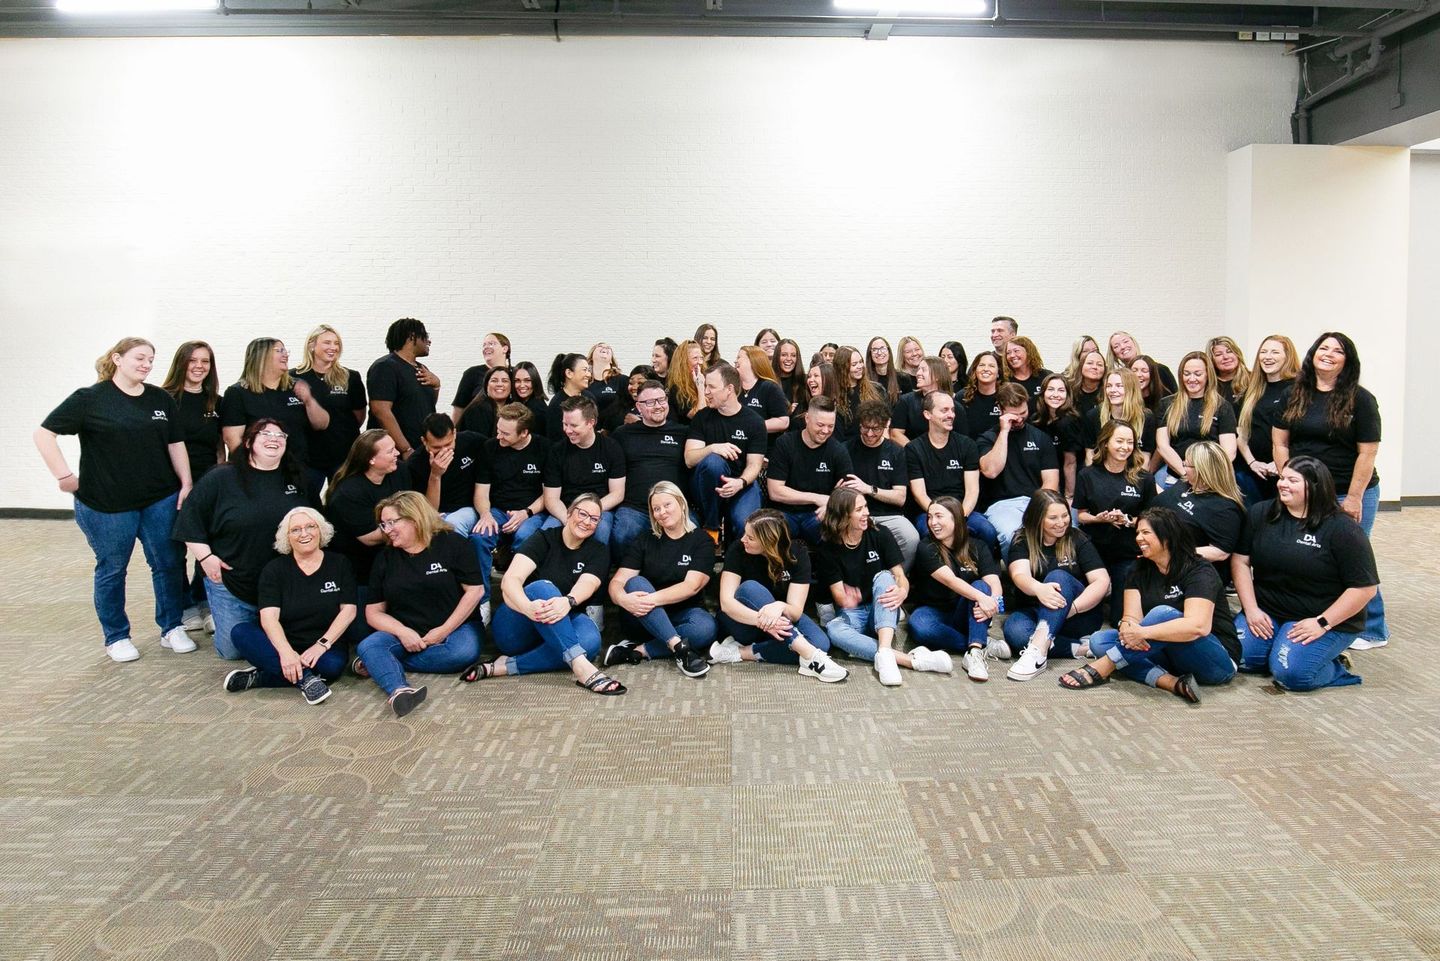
(322, 698)
(408, 701)
(122, 660)
(682, 670)
(806, 672)
(180, 650)
(977, 680)
(1027, 677)
(236, 673)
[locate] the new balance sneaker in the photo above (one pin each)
(623, 653)
(998, 649)
(1367, 643)
(242, 680)
(886, 667)
(690, 661)
(974, 664)
(177, 640)
(822, 667)
(122, 650)
(193, 619)
(924, 659)
(725, 652)
(314, 689)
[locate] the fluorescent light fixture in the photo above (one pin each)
(935, 8)
(132, 6)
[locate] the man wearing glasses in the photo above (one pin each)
(654, 451)
(402, 390)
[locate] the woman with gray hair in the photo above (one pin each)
(306, 601)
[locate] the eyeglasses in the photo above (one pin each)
(872, 428)
(274, 434)
(658, 401)
(585, 516)
(389, 525)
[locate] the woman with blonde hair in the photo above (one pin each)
(1276, 365)
(760, 390)
(267, 389)
(912, 355)
(1231, 373)
(1083, 346)
(1123, 350)
(495, 348)
(341, 392)
(134, 473)
(307, 601)
(1121, 401)
(609, 387)
(1210, 502)
(1197, 413)
(1109, 495)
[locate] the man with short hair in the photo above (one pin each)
(943, 461)
(654, 451)
(508, 494)
(805, 467)
(908, 419)
(443, 469)
(726, 450)
(402, 390)
(1016, 459)
(1001, 330)
(583, 462)
(879, 472)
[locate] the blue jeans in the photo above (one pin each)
(767, 649)
(1163, 477)
(1006, 517)
(1206, 657)
(1376, 627)
(1295, 667)
(387, 660)
(485, 544)
(254, 645)
(533, 648)
(602, 530)
(1119, 572)
(804, 525)
(629, 524)
(975, 522)
(708, 474)
(850, 626)
(1022, 622)
(229, 612)
(691, 623)
(464, 520)
(359, 628)
(112, 537)
(952, 630)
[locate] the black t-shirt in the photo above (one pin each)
(982, 413)
(241, 407)
(200, 430)
(1090, 430)
(809, 470)
(480, 419)
(469, 386)
(1337, 449)
(584, 470)
(1299, 573)
(555, 417)
(1065, 434)
(328, 447)
(612, 399)
(925, 590)
(1029, 452)
(1086, 401)
(1086, 558)
(395, 379)
(1219, 520)
(666, 561)
(422, 590)
(1265, 416)
(124, 445)
(883, 467)
(1190, 432)
(1226, 390)
(539, 412)
(743, 428)
(754, 567)
(515, 476)
(558, 564)
(457, 484)
(308, 603)
(1033, 385)
(652, 455)
(351, 509)
(1198, 581)
(909, 416)
(942, 470)
(239, 524)
(858, 565)
(1097, 491)
(765, 399)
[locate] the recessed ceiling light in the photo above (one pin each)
(941, 8)
(132, 6)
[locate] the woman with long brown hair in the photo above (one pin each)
(956, 588)
(880, 367)
(980, 396)
(195, 385)
(1197, 413)
(1266, 391)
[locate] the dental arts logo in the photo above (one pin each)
(331, 587)
(158, 415)
(436, 568)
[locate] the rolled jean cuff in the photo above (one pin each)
(572, 652)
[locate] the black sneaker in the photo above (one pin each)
(691, 662)
(406, 700)
(314, 689)
(623, 653)
(242, 680)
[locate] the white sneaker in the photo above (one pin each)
(1031, 663)
(485, 613)
(886, 667)
(177, 640)
(725, 652)
(122, 650)
(998, 649)
(822, 667)
(974, 664)
(193, 619)
(924, 659)
(1366, 644)
(209, 624)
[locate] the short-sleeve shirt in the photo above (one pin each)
(766, 399)
(1299, 573)
(754, 567)
(666, 561)
(982, 413)
(1029, 453)
(308, 603)
(241, 407)
(422, 590)
(857, 566)
(1218, 520)
(515, 475)
(561, 566)
(1034, 385)
(652, 455)
(584, 470)
(350, 508)
(1198, 581)
(469, 385)
(882, 467)
(328, 447)
(124, 445)
(809, 470)
(200, 429)
(1085, 560)
(1337, 449)
(612, 399)
(1065, 434)
(457, 484)
(394, 379)
(943, 470)
(744, 429)
(1097, 490)
(925, 590)
(1265, 417)
(1191, 432)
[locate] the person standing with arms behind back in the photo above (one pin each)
(195, 385)
(402, 390)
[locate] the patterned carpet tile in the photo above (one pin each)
(413, 929)
(895, 921)
(808, 748)
(676, 751)
(182, 930)
(647, 923)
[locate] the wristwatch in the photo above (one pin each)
(1323, 622)
(573, 603)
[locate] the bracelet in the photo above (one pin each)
(529, 512)
(71, 474)
(573, 603)
(205, 558)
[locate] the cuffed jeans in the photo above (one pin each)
(254, 645)
(485, 544)
(950, 630)
(691, 623)
(1376, 627)
(1294, 666)
(850, 627)
(112, 538)
(533, 648)
(1205, 657)
(754, 596)
(1022, 623)
(708, 473)
(387, 660)
(228, 612)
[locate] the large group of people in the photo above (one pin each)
(1006, 510)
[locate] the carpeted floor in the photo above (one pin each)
(145, 814)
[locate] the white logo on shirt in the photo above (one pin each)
(330, 588)
(954, 464)
(1308, 540)
(213, 413)
(1174, 593)
(579, 567)
(1129, 491)
(1030, 445)
(339, 390)
(158, 415)
(684, 558)
(466, 462)
(530, 469)
(885, 464)
(437, 568)
(599, 468)
(291, 490)
(872, 557)
(822, 468)
(293, 401)
(1187, 506)
(668, 440)
(739, 435)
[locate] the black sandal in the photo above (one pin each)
(358, 667)
(1082, 677)
(1186, 688)
(600, 683)
(478, 671)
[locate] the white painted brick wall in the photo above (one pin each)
(619, 188)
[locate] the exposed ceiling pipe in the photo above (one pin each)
(1353, 74)
(1388, 28)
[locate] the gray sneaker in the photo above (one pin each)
(314, 689)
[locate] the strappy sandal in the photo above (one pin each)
(478, 671)
(1082, 677)
(357, 666)
(600, 683)
(1187, 689)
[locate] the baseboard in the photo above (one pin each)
(1427, 500)
(35, 514)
